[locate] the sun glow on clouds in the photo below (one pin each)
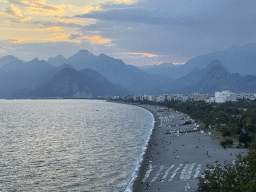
(126, 1)
(58, 37)
(82, 10)
(17, 41)
(15, 13)
(142, 54)
(45, 18)
(52, 28)
(178, 63)
(93, 39)
(38, 7)
(75, 21)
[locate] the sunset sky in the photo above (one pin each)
(140, 32)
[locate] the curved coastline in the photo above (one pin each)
(145, 162)
(140, 171)
(140, 165)
(186, 149)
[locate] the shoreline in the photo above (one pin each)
(172, 162)
(145, 162)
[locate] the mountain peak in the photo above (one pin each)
(83, 51)
(7, 59)
(102, 55)
(214, 63)
(36, 59)
(217, 70)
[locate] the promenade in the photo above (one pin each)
(176, 155)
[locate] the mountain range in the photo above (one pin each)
(70, 83)
(115, 70)
(214, 78)
(19, 78)
(237, 59)
(163, 69)
(104, 75)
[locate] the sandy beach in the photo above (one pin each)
(177, 154)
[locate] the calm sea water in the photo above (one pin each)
(70, 145)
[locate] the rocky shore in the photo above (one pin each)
(177, 153)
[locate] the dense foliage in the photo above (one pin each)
(237, 177)
(236, 119)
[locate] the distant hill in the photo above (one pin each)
(7, 59)
(116, 71)
(19, 77)
(194, 77)
(218, 78)
(237, 59)
(57, 61)
(28, 75)
(163, 69)
(69, 83)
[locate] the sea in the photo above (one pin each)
(71, 145)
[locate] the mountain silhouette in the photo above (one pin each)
(69, 83)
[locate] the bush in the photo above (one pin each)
(229, 142)
(226, 142)
(244, 138)
(225, 133)
(239, 177)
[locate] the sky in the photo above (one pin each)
(140, 32)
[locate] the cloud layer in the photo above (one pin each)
(137, 31)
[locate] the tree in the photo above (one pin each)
(238, 177)
(244, 138)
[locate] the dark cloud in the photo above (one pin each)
(181, 28)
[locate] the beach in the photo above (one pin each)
(177, 153)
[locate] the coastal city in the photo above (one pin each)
(218, 97)
(128, 95)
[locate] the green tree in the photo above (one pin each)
(240, 177)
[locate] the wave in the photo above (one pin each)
(138, 163)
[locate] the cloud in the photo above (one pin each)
(17, 41)
(75, 21)
(58, 37)
(15, 13)
(83, 10)
(221, 13)
(142, 54)
(96, 39)
(2, 50)
(51, 28)
(38, 7)
(126, 1)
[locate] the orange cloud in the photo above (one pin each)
(2, 50)
(86, 9)
(41, 7)
(126, 1)
(94, 39)
(143, 54)
(17, 41)
(58, 37)
(52, 28)
(178, 63)
(15, 13)
(76, 21)
(38, 7)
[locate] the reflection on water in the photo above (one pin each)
(69, 145)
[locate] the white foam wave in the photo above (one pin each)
(138, 163)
